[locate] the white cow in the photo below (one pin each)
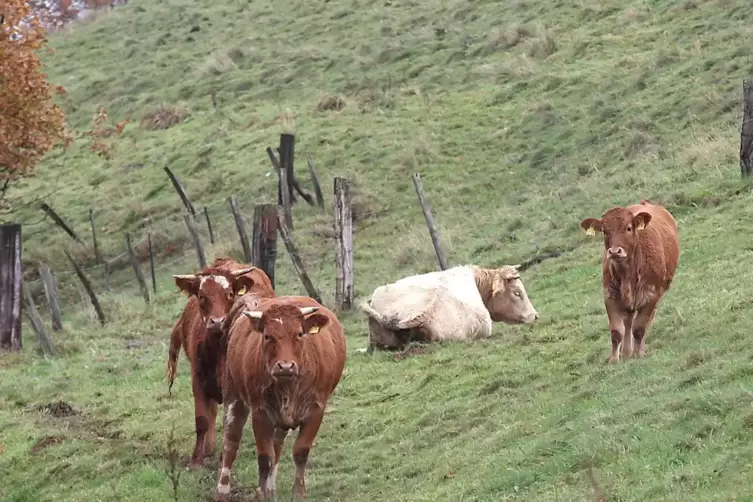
(455, 304)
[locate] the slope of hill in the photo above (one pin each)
(523, 118)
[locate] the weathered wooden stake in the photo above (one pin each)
(151, 262)
(51, 292)
(10, 287)
(276, 166)
(315, 181)
(344, 245)
(429, 220)
(181, 191)
(88, 287)
(43, 337)
(137, 268)
(746, 131)
(284, 183)
(295, 257)
(264, 245)
(287, 154)
(241, 227)
(97, 255)
(196, 241)
(209, 225)
(59, 222)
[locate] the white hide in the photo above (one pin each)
(446, 303)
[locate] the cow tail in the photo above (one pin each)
(176, 340)
(392, 323)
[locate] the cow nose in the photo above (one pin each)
(215, 321)
(618, 251)
(286, 368)
(536, 316)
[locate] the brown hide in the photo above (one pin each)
(641, 252)
(203, 344)
(255, 384)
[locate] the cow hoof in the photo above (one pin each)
(194, 465)
(614, 360)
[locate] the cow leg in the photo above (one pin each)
(201, 413)
(627, 341)
(279, 440)
(265, 452)
(235, 418)
(643, 320)
(210, 440)
(302, 448)
(616, 315)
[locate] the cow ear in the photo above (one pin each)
(591, 225)
(640, 220)
(188, 284)
(242, 285)
(315, 322)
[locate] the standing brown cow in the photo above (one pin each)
(283, 363)
(641, 250)
(199, 330)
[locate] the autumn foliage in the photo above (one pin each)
(30, 123)
(99, 132)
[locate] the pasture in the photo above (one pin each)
(523, 118)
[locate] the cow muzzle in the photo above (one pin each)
(214, 324)
(284, 370)
(616, 253)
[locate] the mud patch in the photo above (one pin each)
(45, 442)
(57, 409)
(410, 351)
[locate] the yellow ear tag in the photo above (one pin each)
(314, 330)
(242, 291)
(590, 231)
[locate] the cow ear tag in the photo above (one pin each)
(590, 231)
(314, 330)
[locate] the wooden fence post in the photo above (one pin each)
(344, 245)
(59, 222)
(429, 220)
(209, 225)
(97, 255)
(151, 262)
(51, 292)
(264, 246)
(196, 241)
(286, 195)
(10, 287)
(43, 337)
(746, 131)
(315, 181)
(241, 227)
(297, 262)
(137, 268)
(181, 191)
(88, 287)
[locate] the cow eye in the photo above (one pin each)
(300, 335)
(629, 228)
(517, 293)
(267, 338)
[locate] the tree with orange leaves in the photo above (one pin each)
(30, 123)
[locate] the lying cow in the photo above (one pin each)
(641, 251)
(284, 360)
(198, 329)
(455, 304)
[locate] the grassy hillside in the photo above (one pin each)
(523, 118)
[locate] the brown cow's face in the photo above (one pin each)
(215, 293)
(620, 229)
(509, 302)
(284, 329)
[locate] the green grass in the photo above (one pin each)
(523, 118)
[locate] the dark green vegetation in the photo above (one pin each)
(523, 118)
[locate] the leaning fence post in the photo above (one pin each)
(88, 287)
(45, 342)
(296, 259)
(196, 241)
(429, 220)
(241, 228)
(746, 131)
(344, 245)
(51, 292)
(151, 262)
(10, 287)
(137, 268)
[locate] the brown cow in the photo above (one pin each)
(198, 329)
(284, 360)
(641, 250)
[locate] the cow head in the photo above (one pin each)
(284, 329)
(215, 291)
(620, 228)
(509, 302)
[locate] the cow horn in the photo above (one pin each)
(516, 267)
(242, 271)
(252, 314)
(308, 310)
(188, 277)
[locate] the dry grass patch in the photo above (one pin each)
(163, 117)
